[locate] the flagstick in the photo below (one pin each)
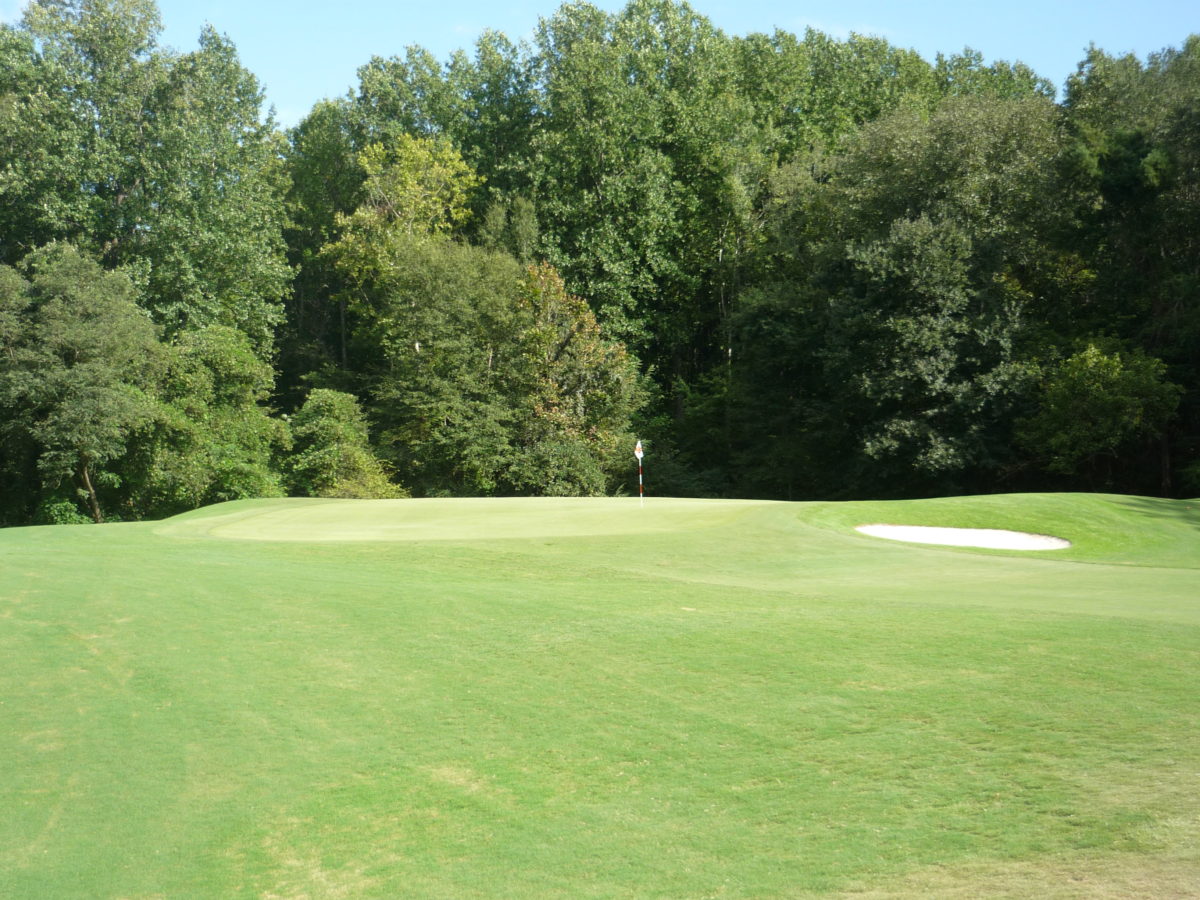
(637, 451)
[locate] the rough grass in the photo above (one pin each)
(522, 699)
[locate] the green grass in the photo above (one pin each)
(581, 698)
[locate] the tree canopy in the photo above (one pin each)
(798, 266)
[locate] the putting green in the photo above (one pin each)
(452, 519)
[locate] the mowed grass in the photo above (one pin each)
(581, 698)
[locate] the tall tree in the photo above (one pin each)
(332, 456)
(79, 79)
(95, 407)
(214, 438)
(1136, 156)
(648, 167)
(574, 390)
(815, 91)
(325, 182)
(926, 288)
(1092, 406)
(144, 157)
(79, 369)
(211, 220)
(966, 74)
(474, 370)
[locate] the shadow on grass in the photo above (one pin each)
(1184, 512)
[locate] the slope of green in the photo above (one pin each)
(1108, 528)
(511, 698)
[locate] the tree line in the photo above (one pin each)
(797, 267)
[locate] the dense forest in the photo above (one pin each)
(796, 267)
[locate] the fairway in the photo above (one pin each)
(581, 698)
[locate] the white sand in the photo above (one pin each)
(991, 538)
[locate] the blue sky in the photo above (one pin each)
(303, 51)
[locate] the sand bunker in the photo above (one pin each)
(988, 538)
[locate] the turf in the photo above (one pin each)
(581, 698)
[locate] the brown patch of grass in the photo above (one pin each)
(299, 872)
(46, 741)
(458, 776)
(1170, 872)
(1095, 878)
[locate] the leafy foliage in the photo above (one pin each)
(480, 376)
(215, 438)
(331, 455)
(576, 391)
(97, 408)
(805, 266)
(921, 252)
(1095, 402)
(146, 158)
(79, 366)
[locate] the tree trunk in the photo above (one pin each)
(93, 502)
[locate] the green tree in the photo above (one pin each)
(94, 406)
(214, 438)
(430, 344)
(429, 319)
(632, 151)
(487, 379)
(331, 455)
(815, 91)
(416, 188)
(210, 219)
(1135, 157)
(646, 166)
(494, 127)
(922, 275)
(575, 392)
(79, 368)
(511, 225)
(965, 74)
(473, 367)
(1095, 403)
(78, 80)
(325, 181)
(145, 158)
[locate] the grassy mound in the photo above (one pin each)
(544, 698)
(451, 519)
